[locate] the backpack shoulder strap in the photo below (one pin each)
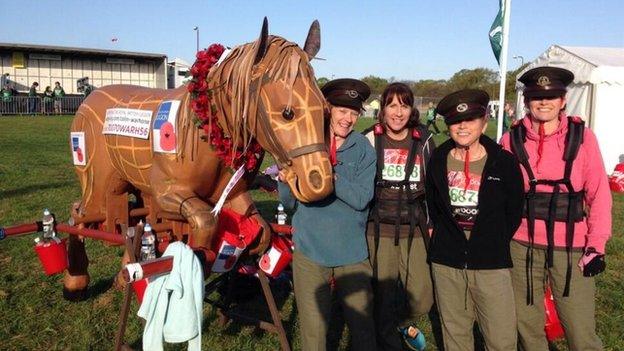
(573, 141)
(415, 140)
(379, 150)
(574, 138)
(517, 137)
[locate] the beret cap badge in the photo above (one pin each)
(462, 107)
(543, 81)
(352, 94)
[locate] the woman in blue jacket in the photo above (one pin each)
(330, 242)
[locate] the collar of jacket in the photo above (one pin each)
(348, 143)
(561, 130)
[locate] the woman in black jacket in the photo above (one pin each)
(474, 195)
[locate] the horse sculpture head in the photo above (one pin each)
(267, 90)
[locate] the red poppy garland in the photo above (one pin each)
(205, 110)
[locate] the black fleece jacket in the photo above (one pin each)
(501, 197)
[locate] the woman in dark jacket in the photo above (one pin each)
(474, 195)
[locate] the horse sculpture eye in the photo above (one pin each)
(288, 114)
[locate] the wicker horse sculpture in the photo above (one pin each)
(150, 142)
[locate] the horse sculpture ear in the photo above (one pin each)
(262, 41)
(313, 41)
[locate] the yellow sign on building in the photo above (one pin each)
(18, 60)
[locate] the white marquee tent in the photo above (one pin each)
(596, 94)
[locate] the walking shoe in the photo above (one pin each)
(414, 339)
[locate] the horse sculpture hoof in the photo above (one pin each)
(75, 295)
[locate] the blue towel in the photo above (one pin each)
(172, 304)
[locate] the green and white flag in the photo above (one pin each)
(496, 31)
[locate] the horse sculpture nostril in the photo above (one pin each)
(315, 179)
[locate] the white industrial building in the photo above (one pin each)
(177, 72)
(23, 64)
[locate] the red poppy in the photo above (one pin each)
(167, 137)
(265, 262)
(79, 154)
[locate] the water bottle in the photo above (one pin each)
(48, 225)
(280, 216)
(148, 244)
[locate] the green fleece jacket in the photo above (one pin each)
(331, 232)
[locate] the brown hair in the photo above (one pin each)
(405, 96)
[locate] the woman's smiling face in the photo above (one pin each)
(546, 109)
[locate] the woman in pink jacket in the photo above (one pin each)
(567, 216)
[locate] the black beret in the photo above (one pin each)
(463, 105)
(346, 92)
(546, 81)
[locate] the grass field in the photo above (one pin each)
(36, 173)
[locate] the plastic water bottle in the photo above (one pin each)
(48, 225)
(281, 216)
(148, 244)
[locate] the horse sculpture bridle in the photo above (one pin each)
(284, 158)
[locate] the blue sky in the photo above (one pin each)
(424, 39)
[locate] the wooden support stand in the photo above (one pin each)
(225, 313)
(176, 227)
(132, 246)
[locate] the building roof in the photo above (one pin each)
(179, 62)
(74, 50)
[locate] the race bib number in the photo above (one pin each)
(464, 200)
(463, 197)
(458, 192)
(394, 166)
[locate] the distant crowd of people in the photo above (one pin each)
(50, 101)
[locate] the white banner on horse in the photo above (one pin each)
(165, 132)
(128, 122)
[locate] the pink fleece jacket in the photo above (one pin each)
(588, 173)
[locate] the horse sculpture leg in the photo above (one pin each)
(76, 278)
(112, 193)
(195, 210)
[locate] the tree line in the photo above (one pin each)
(477, 78)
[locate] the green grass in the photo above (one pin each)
(36, 172)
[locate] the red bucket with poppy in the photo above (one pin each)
(139, 287)
(53, 256)
(553, 327)
(234, 233)
(277, 257)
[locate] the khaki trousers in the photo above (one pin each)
(314, 299)
(576, 312)
(485, 296)
(394, 305)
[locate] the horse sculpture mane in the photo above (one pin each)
(263, 92)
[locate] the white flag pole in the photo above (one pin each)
(503, 68)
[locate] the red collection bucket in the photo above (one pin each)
(553, 327)
(139, 287)
(234, 233)
(616, 180)
(277, 258)
(53, 256)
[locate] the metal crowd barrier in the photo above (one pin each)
(25, 105)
